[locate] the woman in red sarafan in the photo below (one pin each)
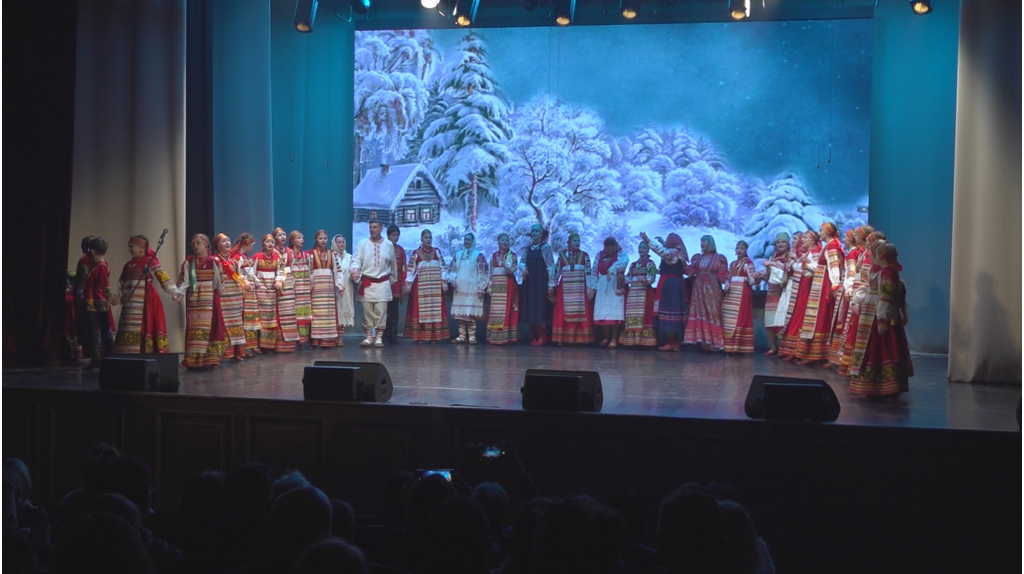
(269, 283)
(866, 238)
(571, 287)
(710, 270)
(885, 368)
(639, 301)
(776, 303)
(142, 327)
(232, 300)
(842, 307)
(300, 271)
(738, 304)
(426, 317)
(201, 280)
(503, 318)
(250, 307)
(287, 319)
(324, 327)
(816, 331)
(804, 268)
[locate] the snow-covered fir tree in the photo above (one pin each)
(465, 146)
(786, 207)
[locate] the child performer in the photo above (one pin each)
(704, 326)
(776, 302)
(344, 302)
(324, 327)
(142, 327)
(96, 303)
(287, 318)
(571, 286)
(232, 300)
(300, 266)
(426, 318)
(738, 304)
(610, 287)
(503, 320)
(201, 280)
(469, 276)
(537, 269)
(671, 304)
(639, 308)
(269, 283)
(250, 303)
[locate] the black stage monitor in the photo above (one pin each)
(129, 374)
(549, 390)
(788, 398)
(168, 364)
(347, 381)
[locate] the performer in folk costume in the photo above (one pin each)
(269, 268)
(201, 280)
(711, 270)
(426, 318)
(96, 302)
(374, 268)
(537, 269)
(795, 277)
(805, 267)
(609, 280)
(300, 266)
(639, 305)
(671, 303)
(81, 338)
(503, 320)
(395, 305)
(324, 327)
(572, 286)
(232, 299)
(841, 310)
(738, 303)
(777, 271)
(142, 327)
(250, 302)
(344, 300)
(287, 318)
(884, 368)
(816, 332)
(857, 333)
(469, 277)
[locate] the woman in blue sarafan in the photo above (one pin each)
(536, 268)
(671, 303)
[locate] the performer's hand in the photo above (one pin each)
(341, 290)
(176, 297)
(357, 276)
(115, 300)
(855, 307)
(526, 273)
(882, 327)
(551, 291)
(906, 317)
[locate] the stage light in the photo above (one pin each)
(361, 7)
(429, 4)
(467, 19)
(305, 14)
(564, 10)
(739, 9)
(629, 8)
(921, 7)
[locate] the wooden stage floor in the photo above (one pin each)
(647, 383)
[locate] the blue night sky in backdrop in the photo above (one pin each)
(774, 96)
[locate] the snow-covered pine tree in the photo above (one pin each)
(389, 93)
(786, 207)
(466, 145)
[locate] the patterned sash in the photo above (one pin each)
(200, 314)
(499, 299)
(813, 299)
(731, 305)
(325, 322)
(574, 295)
(636, 304)
(865, 323)
(428, 290)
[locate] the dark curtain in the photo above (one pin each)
(39, 107)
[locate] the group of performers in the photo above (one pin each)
(826, 304)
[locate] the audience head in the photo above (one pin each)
(101, 542)
(16, 472)
(690, 529)
(301, 516)
(526, 523)
(740, 550)
(116, 505)
(425, 495)
(579, 535)
(331, 556)
(344, 523)
(203, 498)
(247, 491)
(458, 537)
(131, 477)
(494, 500)
(287, 481)
(395, 495)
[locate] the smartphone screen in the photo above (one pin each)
(447, 474)
(491, 452)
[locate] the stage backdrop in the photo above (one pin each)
(739, 131)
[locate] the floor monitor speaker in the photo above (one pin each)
(788, 398)
(347, 381)
(129, 374)
(549, 390)
(168, 364)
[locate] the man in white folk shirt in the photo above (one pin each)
(374, 268)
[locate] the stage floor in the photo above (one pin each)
(647, 383)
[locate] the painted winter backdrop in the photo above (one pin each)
(734, 130)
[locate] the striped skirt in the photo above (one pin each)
(251, 319)
(204, 327)
(131, 337)
(426, 319)
(503, 318)
(232, 303)
(639, 314)
(287, 328)
(738, 317)
(303, 300)
(325, 313)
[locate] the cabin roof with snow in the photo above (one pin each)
(386, 191)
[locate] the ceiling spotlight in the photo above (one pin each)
(429, 4)
(361, 7)
(629, 8)
(466, 18)
(921, 7)
(305, 14)
(564, 11)
(739, 9)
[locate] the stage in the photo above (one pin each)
(645, 383)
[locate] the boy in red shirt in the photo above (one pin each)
(97, 302)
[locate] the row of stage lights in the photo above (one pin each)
(562, 10)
